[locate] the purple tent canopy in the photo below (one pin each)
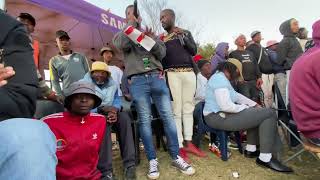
(89, 27)
(84, 12)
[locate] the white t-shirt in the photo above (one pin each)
(201, 88)
(67, 57)
(116, 74)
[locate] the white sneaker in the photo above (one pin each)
(183, 166)
(153, 169)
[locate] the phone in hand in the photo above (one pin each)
(135, 7)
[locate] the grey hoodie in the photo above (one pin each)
(289, 48)
(134, 54)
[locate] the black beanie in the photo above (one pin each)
(202, 62)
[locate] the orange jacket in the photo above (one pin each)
(36, 52)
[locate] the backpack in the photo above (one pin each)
(265, 66)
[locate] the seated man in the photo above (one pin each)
(81, 135)
(202, 80)
(107, 89)
(304, 88)
(203, 76)
(67, 66)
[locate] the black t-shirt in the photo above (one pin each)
(250, 68)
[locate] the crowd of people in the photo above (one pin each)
(233, 91)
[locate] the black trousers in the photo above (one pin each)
(249, 90)
(47, 107)
(124, 133)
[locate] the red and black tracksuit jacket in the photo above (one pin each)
(81, 145)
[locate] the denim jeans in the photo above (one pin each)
(27, 150)
(143, 88)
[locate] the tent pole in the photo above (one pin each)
(2, 4)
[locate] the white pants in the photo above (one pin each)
(183, 86)
(267, 89)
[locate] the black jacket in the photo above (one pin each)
(18, 97)
(289, 49)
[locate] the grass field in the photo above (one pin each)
(212, 168)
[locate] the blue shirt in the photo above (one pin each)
(217, 81)
(108, 92)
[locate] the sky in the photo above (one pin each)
(223, 20)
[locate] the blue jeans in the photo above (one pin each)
(27, 150)
(143, 88)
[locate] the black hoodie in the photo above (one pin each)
(18, 97)
(289, 49)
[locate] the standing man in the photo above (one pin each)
(303, 38)
(67, 66)
(29, 22)
(279, 71)
(144, 71)
(107, 89)
(289, 48)
(251, 73)
(107, 54)
(220, 56)
(261, 55)
(181, 76)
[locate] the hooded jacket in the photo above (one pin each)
(304, 89)
(18, 97)
(289, 49)
(220, 56)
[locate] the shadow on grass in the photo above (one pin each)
(212, 168)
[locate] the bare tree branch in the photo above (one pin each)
(150, 11)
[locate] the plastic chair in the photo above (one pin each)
(221, 135)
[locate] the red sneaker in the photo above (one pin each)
(215, 150)
(183, 155)
(191, 148)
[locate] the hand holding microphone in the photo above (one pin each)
(180, 33)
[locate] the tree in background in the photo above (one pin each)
(207, 50)
(150, 11)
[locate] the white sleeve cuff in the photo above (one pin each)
(241, 99)
(225, 103)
